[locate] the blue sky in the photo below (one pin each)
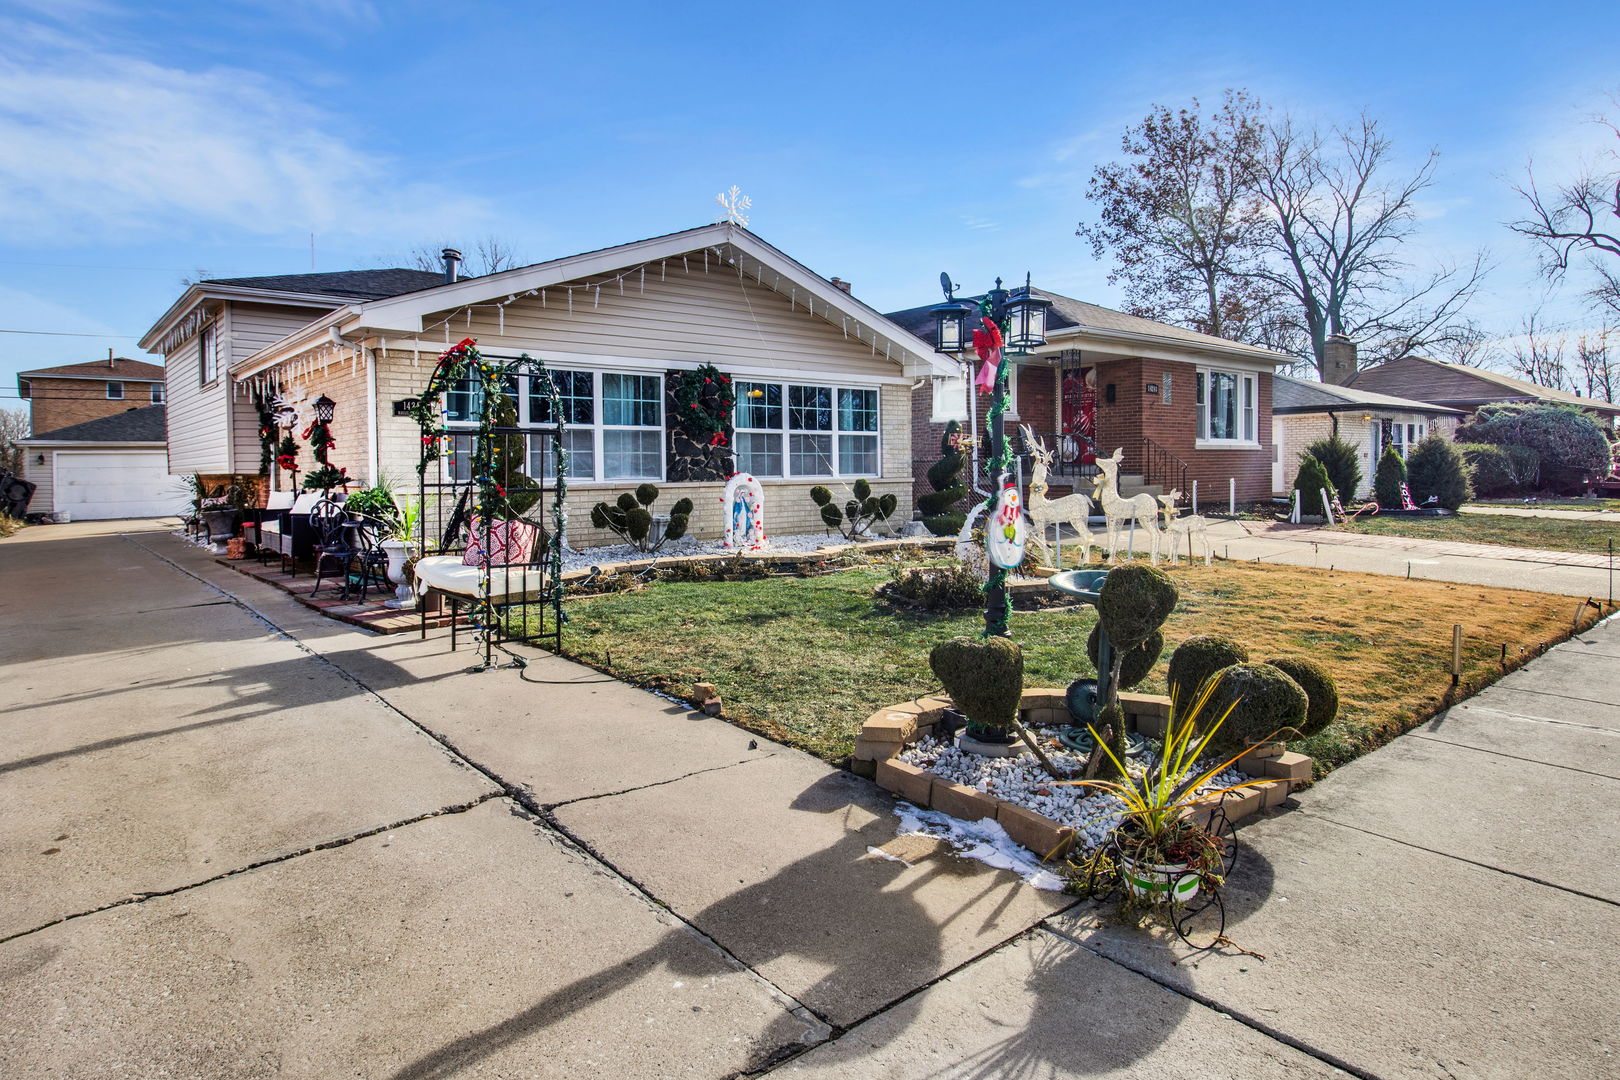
(144, 144)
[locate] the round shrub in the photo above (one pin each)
(1489, 471)
(1137, 663)
(1570, 441)
(1436, 470)
(1262, 699)
(985, 679)
(1133, 602)
(1321, 692)
(1195, 660)
(1390, 476)
(1343, 464)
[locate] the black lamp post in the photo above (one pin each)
(1020, 316)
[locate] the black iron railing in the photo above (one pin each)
(1160, 466)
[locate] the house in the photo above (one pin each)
(60, 397)
(1465, 388)
(112, 467)
(1303, 412)
(1184, 407)
(823, 381)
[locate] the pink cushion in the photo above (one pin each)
(509, 542)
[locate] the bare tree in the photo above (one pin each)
(490, 255)
(1578, 219)
(14, 425)
(1599, 364)
(1338, 221)
(1540, 354)
(1180, 219)
(1468, 344)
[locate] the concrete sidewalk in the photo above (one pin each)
(247, 841)
(1565, 572)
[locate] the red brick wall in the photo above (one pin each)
(60, 403)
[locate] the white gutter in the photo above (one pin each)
(372, 421)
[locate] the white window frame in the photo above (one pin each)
(157, 393)
(111, 385)
(785, 432)
(598, 428)
(1248, 390)
(208, 354)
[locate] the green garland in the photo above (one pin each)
(997, 616)
(704, 399)
(267, 433)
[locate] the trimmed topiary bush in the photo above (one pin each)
(985, 679)
(1389, 478)
(940, 514)
(1436, 469)
(1195, 660)
(630, 516)
(1321, 692)
(858, 514)
(1137, 664)
(1343, 464)
(1310, 482)
(1133, 602)
(1262, 698)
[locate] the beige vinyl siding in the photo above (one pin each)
(253, 327)
(44, 476)
(198, 435)
(687, 317)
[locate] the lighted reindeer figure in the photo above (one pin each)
(1072, 510)
(1141, 509)
(1189, 526)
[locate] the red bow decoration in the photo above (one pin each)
(718, 439)
(987, 343)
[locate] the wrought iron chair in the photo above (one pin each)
(346, 545)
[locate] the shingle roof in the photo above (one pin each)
(132, 425)
(1068, 312)
(1296, 395)
(355, 284)
(120, 369)
(1519, 387)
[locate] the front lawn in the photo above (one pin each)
(1551, 534)
(806, 660)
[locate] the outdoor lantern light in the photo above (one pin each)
(1026, 315)
(950, 319)
(324, 408)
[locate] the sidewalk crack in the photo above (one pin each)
(1510, 757)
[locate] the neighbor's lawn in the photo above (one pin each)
(806, 660)
(1547, 533)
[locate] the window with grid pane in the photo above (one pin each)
(632, 426)
(757, 434)
(810, 453)
(577, 402)
(857, 415)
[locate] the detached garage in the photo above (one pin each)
(115, 467)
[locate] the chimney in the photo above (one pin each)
(1339, 360)
(840, 283)
(110, 358)
(452, 265)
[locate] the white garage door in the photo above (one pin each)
(98, 484)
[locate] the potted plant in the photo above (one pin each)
(401, 545)
(221, 514)
(1162, 853)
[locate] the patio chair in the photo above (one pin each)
(346, 545)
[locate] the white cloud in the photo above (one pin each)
(95, 143)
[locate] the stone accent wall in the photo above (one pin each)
(685, 458)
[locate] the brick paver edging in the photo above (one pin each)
(889, 731)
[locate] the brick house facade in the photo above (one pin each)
(60, 397)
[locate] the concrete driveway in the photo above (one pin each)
(240, 840)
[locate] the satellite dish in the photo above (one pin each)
(945, 283)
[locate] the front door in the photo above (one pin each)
(1077, 418)
(1280, 480)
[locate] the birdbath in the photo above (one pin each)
(1086, 696)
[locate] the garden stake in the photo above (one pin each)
(1456, 654)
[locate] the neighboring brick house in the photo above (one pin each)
(1464, 388)
(59, 397)
(823, 380)
(1183, 406)
(110, 467)
(1304, 412)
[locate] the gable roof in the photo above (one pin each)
(1466, 386)
(1067, 313)
(406, 314)
(132, 425)
(121, 369)
(350, 284)
(1291, 395)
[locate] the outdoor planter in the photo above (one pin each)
(888, 732)
(1176, 883)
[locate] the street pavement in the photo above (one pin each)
(238, 839)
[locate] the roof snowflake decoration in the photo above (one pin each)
(733, 202)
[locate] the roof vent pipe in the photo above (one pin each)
(452, 265)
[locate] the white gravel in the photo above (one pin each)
(800, 544)
(1021, 780)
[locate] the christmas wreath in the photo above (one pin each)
(703, 402)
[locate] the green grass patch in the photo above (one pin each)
(1549, 534)
(805, 660)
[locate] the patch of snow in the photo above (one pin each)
(985, 841)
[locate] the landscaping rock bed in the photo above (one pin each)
(788, 553)
(897, 747)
